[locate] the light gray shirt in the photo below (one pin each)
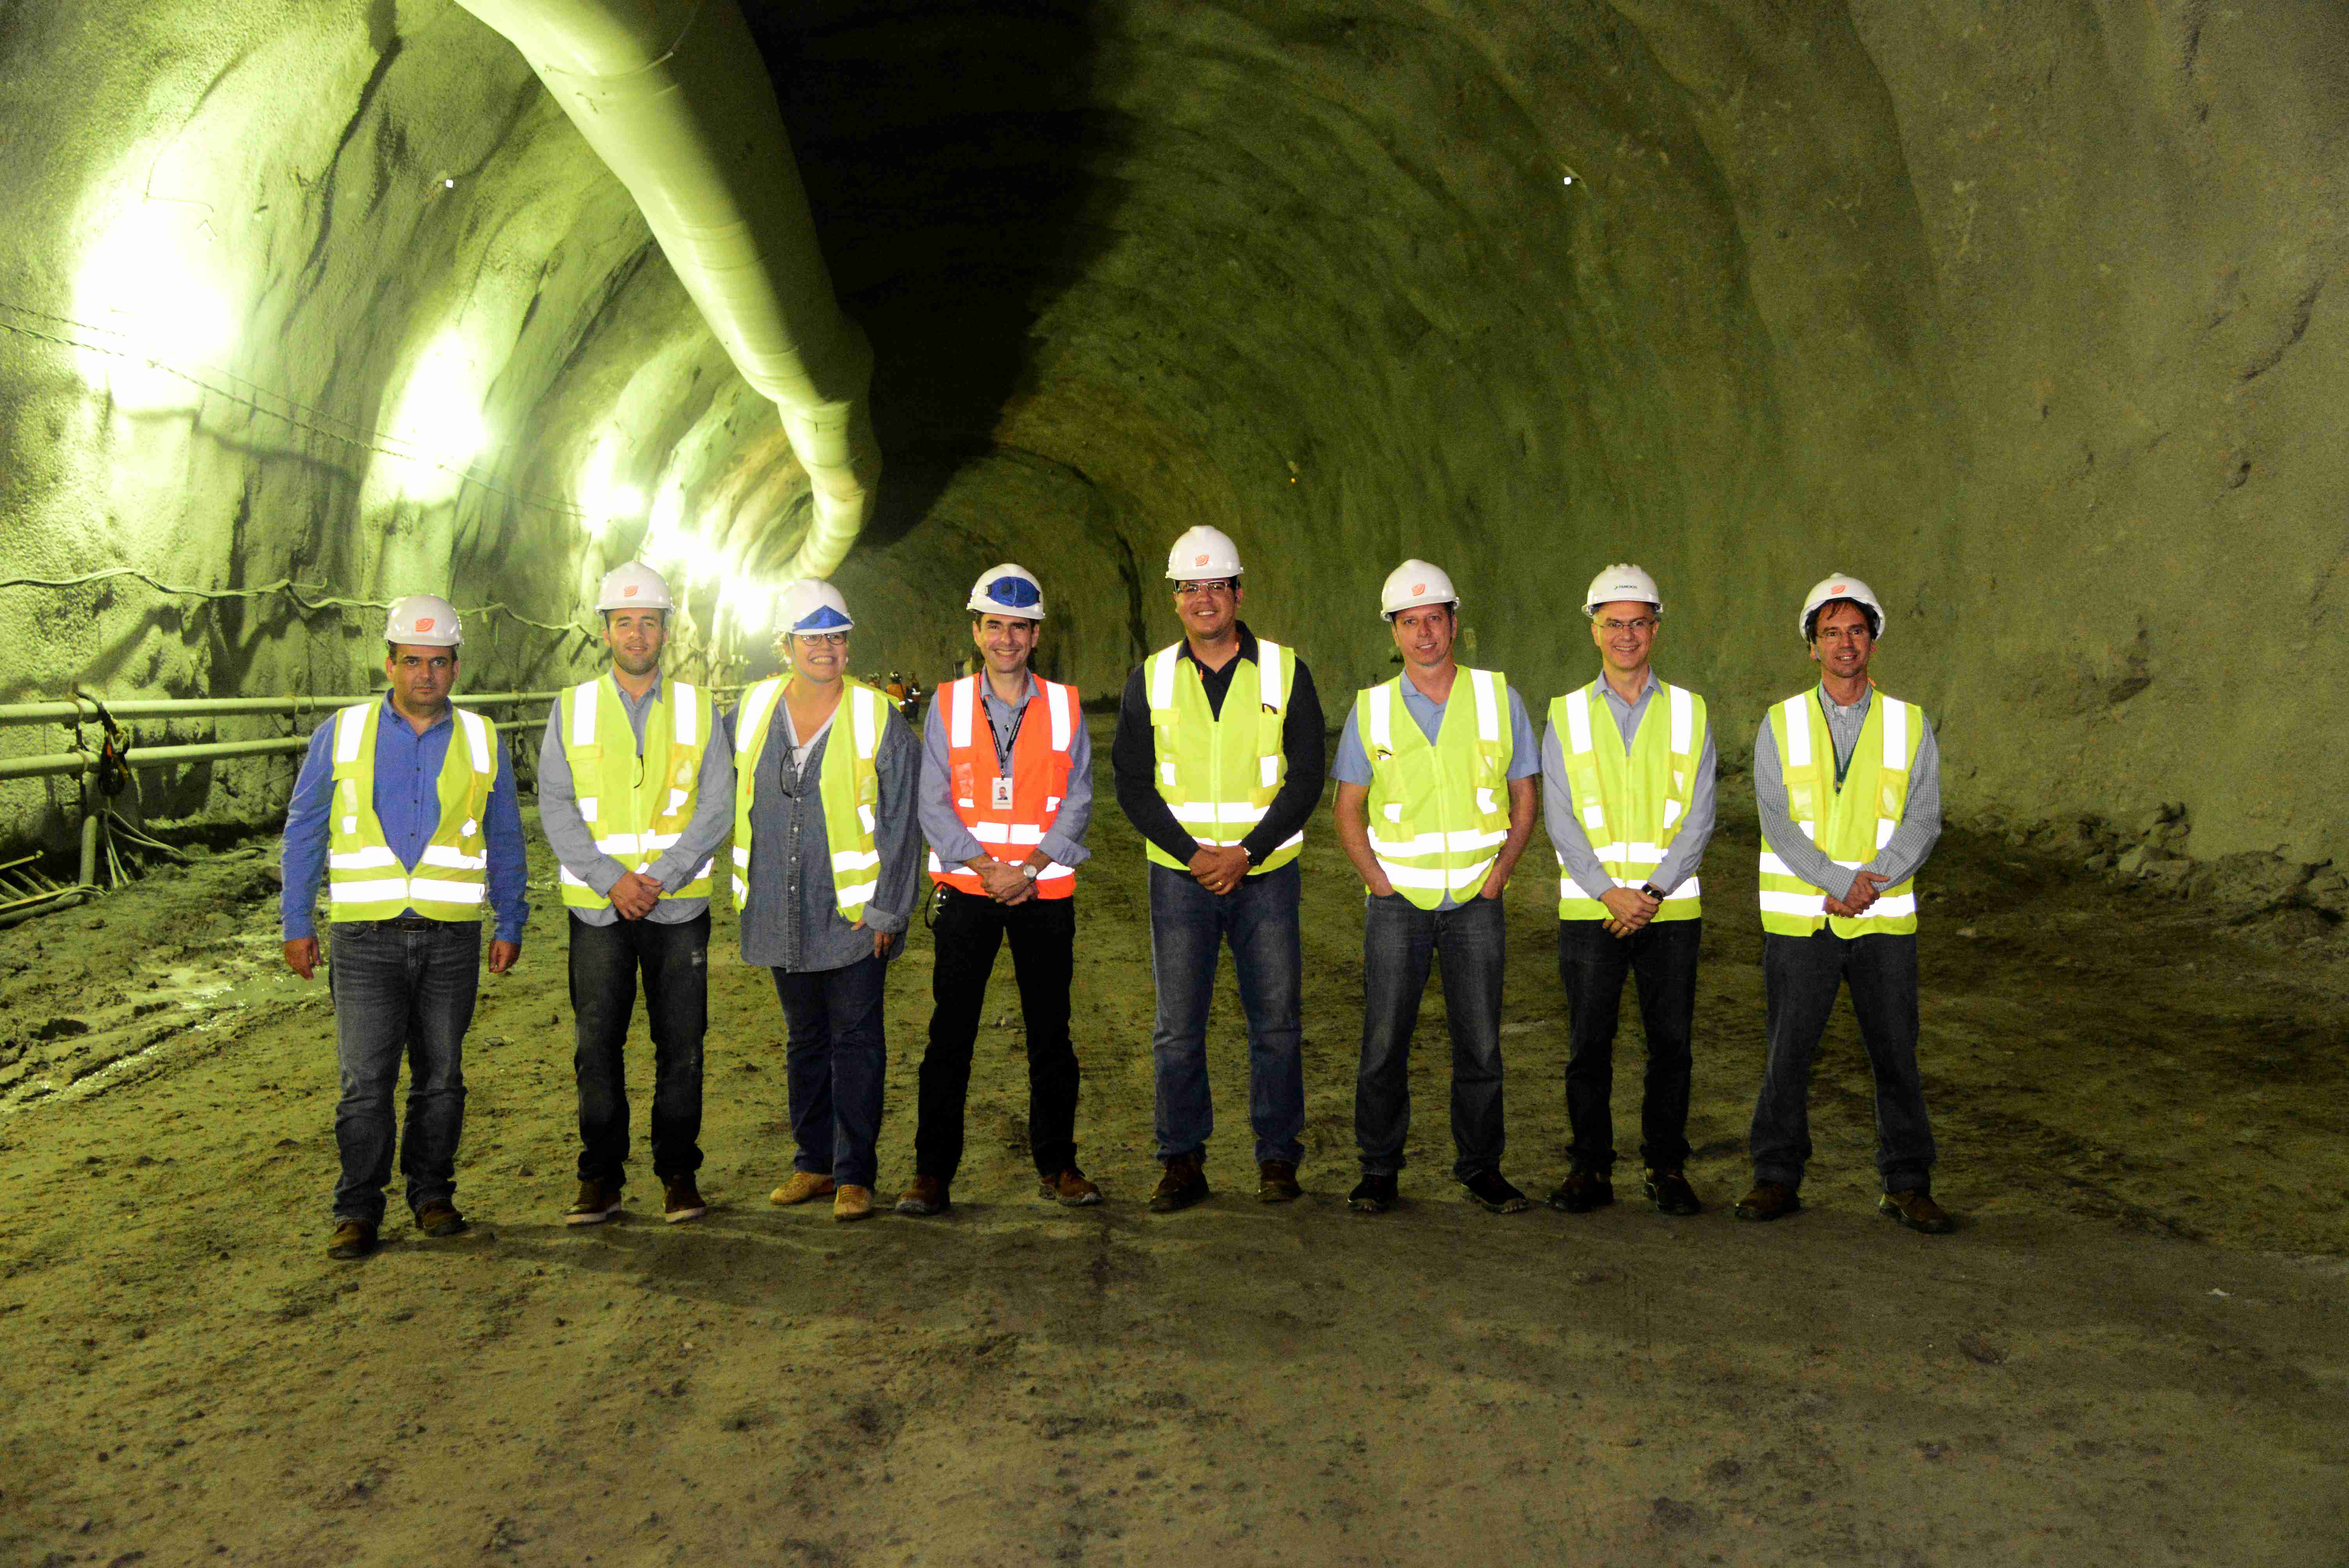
(950, 837)
(1353, 763)
(792, 921)
(1573, 845)
(574, 842)
(1912, 840)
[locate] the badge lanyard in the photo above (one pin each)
(1001, 799)
(1843, 763)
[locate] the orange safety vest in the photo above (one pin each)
(1008, 821)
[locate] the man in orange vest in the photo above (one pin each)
(1006, 796)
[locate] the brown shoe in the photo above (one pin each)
(1276, 1182)
(440, 1219)
(1184, 1184)
(925, 1195)
(1581, 1191)
(1918, 1212)
(804, 1186)
(1768, 1201)
(681, 1200)
(353, 1239)
(598, 1201)
(1069, 1189)
(852, 1202)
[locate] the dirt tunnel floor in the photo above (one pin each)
(2133, 1350)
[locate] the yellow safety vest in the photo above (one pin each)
(848, 786)
(637, 807)
(1438, 812)
(1852, 824)
(1631, 804)
(1218, 772)
(365, 880)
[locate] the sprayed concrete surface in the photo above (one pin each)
(2132, 1351)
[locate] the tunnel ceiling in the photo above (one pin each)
(2028, 315)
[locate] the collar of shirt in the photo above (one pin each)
(1247, 651)
(391, 715)
(1606, 688)
(652, 692)
(987, 690)
(1834, 709)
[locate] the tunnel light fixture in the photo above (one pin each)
(604, 498)
(748, 605)
(153, 279)
(438, 428)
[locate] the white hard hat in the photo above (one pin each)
(812, 604)
(632, 585)
(1414, 584)
(1007, 590)
(1618, 583)
(1851, 588)
(1204, 554)
(424, 621)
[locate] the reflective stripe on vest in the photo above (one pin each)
(1218, 772)
(365, 879)
(1438, 812)
(1630, 802)
(847, 785)
(1851, 825)
(636, 809)
(1041, 761)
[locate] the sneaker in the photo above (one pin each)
(925, 1195)
(1581, 1191)
(440, 1218)
(353, 1239)
(804, 1187)
(1670, 1192)
(852, 1202)
(1069, 1189)
(598, 1201)
(1373, 1195)
(1184, 1184)
(681, 1200)
(1917, 1211)
(1768, 1201)
(1490, 1190)
(1276, 1182)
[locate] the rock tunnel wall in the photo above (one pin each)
(2030, 315)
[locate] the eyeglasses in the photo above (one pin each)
(1192, 589)
(1641, 627)
(828, 639)
(1844, 634)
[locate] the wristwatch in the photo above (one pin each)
(1028, 870)
(1653, 890)
(1246, 854)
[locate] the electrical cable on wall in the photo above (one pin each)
(310, 599)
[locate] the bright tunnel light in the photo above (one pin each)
(438, 426)
(153, 279)
(603, 497)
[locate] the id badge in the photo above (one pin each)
(1001, 798)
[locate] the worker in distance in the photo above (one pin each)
(405, 809)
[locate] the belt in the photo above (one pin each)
(410, 922)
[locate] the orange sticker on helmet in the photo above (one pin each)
(425, 624)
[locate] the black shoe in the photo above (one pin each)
(1184, 1184)
(1276, 1182)
(1581, 1191)
(1490, 1190)
(1373, 1195)
(1670, 1192)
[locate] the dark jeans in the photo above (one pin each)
(604, 964)
(1592, 966)
(968, 933)
(1400, 943)
(836, 1057)
(1803, 975)
(401, 991)
(1188, 926)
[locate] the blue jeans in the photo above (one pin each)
(1188, 926)
(1592, 966)
(835, 1061)
(1400, 943)
(604, 959)
(401, 991)
(1803, 975)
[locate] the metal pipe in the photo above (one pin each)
(85, 710)
(169, 756)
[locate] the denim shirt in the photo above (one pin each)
(793, 920)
